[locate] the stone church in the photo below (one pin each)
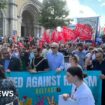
(20, 17)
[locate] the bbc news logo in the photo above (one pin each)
(6, 93)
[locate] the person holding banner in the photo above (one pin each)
(39, 62)
(55, 58)
(81, 93)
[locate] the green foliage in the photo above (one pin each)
(3, 4)
(54, 13)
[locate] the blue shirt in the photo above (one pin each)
(6, 64)
(55, 60)
(81, 56)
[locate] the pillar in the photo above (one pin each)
(12, 17)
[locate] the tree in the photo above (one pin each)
(53, 13)
(3, 4)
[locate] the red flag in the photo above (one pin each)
(68, 34)
(65, 33)
(71, 35)
(84, 31)
(60, 36)
(46, 37)
(41, 43)
(54, 36)
(78, 29)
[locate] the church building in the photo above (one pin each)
(20, 17)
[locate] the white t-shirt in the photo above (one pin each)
(82, 96)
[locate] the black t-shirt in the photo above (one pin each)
(42, 65)
(99, 66)
(14, 64)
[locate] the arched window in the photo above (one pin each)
(27, 27)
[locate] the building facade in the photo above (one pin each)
(20, 17)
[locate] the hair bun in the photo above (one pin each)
(84, 75)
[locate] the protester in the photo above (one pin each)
(5, 60)
(26, 58)
(74, 61)
(81, 54)
(91, 55)
(81, 93)
(90, 51)
(69, 48)
(63, 50)
(15, 53)
(22, 57)
(7, 85)
(39, 62)
(31, 56)
(99, 64)
(103, 48)
(1, 57)
(55, 58)
(27, 55)
(10, 63)
(45, 51)
(14, 64)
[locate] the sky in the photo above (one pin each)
(87, 8)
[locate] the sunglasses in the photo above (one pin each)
(53, 47)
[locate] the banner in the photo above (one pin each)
(44, 88)
(93, 22)
(84, 31)
(54, 36)
(69, 34)
(46, 36)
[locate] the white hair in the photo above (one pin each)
(54, 44)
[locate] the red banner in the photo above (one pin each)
(46, 37)
(68, 34)
(54, 36)
(84, 31)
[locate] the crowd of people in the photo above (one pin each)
(30, 57)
